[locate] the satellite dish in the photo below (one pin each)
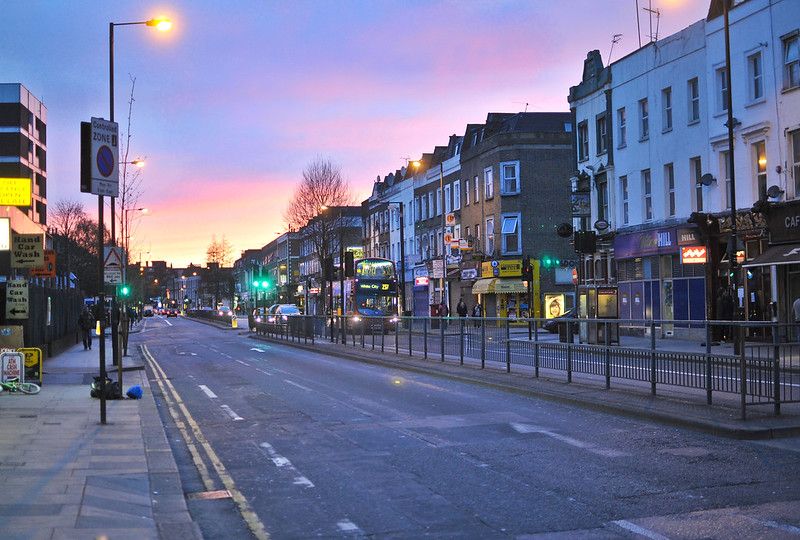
(707, 179)
(774, 192)
(564, 230)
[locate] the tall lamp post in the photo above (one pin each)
(402, 257)
(163, 25)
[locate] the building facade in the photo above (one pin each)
(652, 142)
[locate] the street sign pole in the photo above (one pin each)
(101, 309)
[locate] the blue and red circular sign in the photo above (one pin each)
(105, 161)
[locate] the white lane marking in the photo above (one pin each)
(264, 372)
(303, 481)
(306, 388)
(780, 526)
(225, 355)
(346, 525)
(282, 462)
(207, 391)
(528, 428)
(636, 529)
(230, 412)
(243, 363)
(193, 353)
(168, 323)
(257, 349)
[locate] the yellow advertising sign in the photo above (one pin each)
(15, 191)
(510, 268)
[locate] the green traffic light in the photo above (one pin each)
(265, 284)
(125, 290)
(255, 284)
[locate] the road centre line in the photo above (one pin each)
(231, 413)
(306, 388)
(636, 529)
(172, 398)
(264, 372)
(241, 362)
(605, 452)
(207, 391)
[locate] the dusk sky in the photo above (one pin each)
(236, 100)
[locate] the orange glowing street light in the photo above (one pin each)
(161, 23)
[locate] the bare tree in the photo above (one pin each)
(219, 252)
(130, 184)
(75, 241)
(313, 206)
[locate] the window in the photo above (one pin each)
(794, 156)
(725, 173)
(602, 198)
(791, 61)
(417, 209)
(457, 232)
(489, 236)
(431, 207)
(457, 195)
(644, 120)
(448, 207)
(760, 155)
(510, 231)
(694, 100)
(666, 111)
(466, 192)
(623, 185)
(755, 76)
(509, 183)
(669, 184)
(647, 192)
(477, 189)
(583, 141)
(722, 89)
(696, 171)
(423, 208)
(477, 235)
(438, 202)
(622, 127)
(488, 183)
(602, 134)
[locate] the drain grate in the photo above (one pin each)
(209, 495)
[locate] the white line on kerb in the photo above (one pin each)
(307, 389)
(636, 529)
(230, 412)
(207, 391)
(346, 525)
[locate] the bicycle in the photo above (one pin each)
(13, 385)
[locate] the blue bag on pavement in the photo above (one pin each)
(135, 392)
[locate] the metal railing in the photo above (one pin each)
(760, 361)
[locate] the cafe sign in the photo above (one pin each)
(783, 222)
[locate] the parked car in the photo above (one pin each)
(551, 325)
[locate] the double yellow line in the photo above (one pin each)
(191, 432)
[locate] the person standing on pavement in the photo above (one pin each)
(796, 313)
(444, 312)
(461, 308)
(86, 325)
(477, 314)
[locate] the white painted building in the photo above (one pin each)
(653, 123)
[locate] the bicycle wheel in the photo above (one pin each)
(30, 388)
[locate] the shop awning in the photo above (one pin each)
(483, 286)
(509, 286)
(499, 286)
(787, 254)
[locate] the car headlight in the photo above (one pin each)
(258, 319)
(394, 319)
(356, 318)
(285, 318)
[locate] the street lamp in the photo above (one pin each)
(161, 24)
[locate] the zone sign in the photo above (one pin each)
(100, 157)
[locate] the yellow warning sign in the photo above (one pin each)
(15, 191)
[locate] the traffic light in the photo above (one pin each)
(527, 269)
(547, 261)
(123, 290)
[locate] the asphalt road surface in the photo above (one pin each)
(309, 445)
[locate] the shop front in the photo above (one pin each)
(502, 293)
(778, 266)
(659, 278)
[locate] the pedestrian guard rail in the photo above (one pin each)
(759, 362)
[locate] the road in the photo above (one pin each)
(311, 445)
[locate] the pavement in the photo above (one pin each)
(683, 407)
(65, 475)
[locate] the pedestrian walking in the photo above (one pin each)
(444, 312)
(86, 324)
(461, 308)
